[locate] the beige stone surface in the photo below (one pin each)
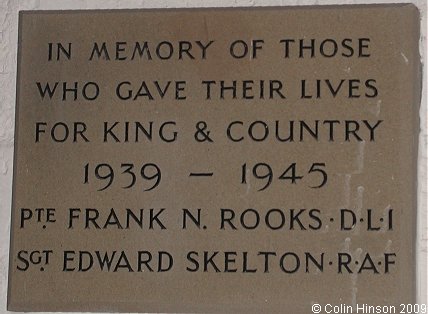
(8, 38)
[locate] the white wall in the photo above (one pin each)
(8, 44)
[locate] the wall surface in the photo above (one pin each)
(8, 43)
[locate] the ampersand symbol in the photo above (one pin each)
(202, 134)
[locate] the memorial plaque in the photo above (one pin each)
(216, 160)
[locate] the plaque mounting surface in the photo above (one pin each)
(215, 160)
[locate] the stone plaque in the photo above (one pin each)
(216, 160)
